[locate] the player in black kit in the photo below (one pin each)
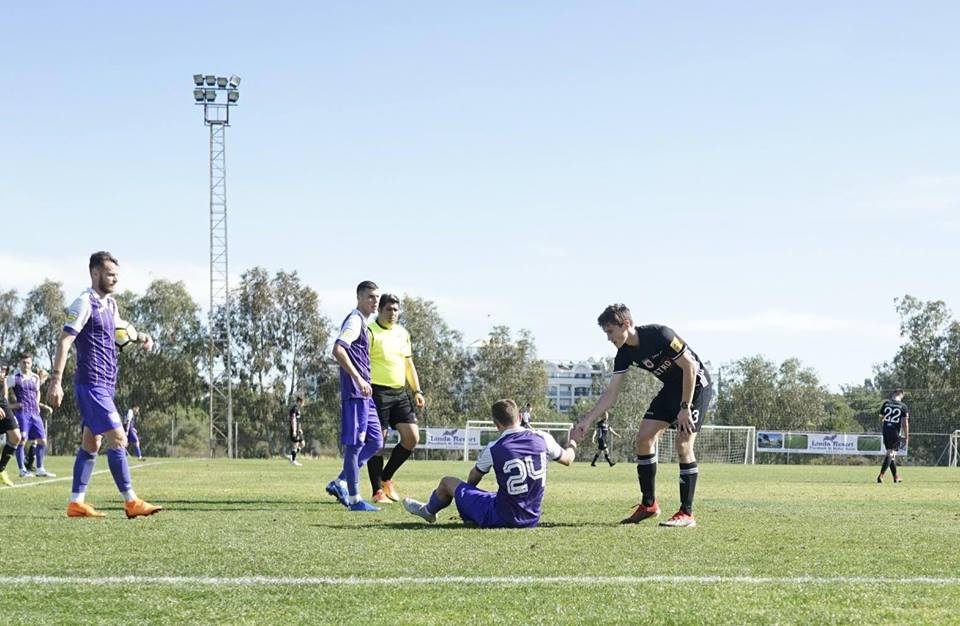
(682, 404)
(600, 438)
(296, 431)
(8, 426)
(895, 417)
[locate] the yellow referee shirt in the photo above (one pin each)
(389, 350)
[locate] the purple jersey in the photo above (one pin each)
(93, 321)
(355, 339)
(26, 389)
(519, 460)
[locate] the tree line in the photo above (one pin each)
(281, 337)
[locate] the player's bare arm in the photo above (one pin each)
(475, 476)
(688, 365)
(340, 354)
(414, 381)
(604, 403)
(55, 390)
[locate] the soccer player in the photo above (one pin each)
(600, 438)
(526, 416)
(519, 460)
(681, 403)
(391, 371)
(91, 325)
(359, 424)
(895, 417)
(296, 431)
(25, 384)
(130, 427)
(10, 427)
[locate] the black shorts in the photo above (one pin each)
(666, 405)
(8, 423)
(891, 439)
(296, 437)
(601, 444)
(393, 406)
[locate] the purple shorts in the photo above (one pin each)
(477, 506)
(97, 409)
(32, 427)
(358, 421)
(132, 436)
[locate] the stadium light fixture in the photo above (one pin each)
(221, 82)
(198, 79)
(234, 81)
(211, 94)
(233, 96)
(198, 95)
(210, 79)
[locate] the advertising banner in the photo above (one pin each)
(451, 439)
(821, 443)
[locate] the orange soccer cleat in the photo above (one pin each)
(642, 512)
(138, 507)
(82, 509)
(390, 490)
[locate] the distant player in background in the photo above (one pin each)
(895, 418)
(526, 415)
(681, 403)
(296, 431)
(359, 423)
(8, 426)
(91, 325)
(600, 438)
(130, 426)
(24, 384)
(391, 371)
(519, 460)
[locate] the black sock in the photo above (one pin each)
(886, 464)
(8, 451)
(375, 471)
(31, 455)
(293, 454)
(397, 458)
(893, 468)
(607, 457)
(688, 486)
(647, 474)
(595, 457)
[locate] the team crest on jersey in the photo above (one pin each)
(647, 363)
(676, 345)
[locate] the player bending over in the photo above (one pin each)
(681, 403)
(519, 461)
(895, 417)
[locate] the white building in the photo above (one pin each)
(568, 380)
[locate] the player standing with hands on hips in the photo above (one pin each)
(682, 404)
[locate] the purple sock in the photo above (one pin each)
(21, 463)
(136, 449)
(435, 505)
(351, 470)
(117, 459)
(41, 451)
(83, 470)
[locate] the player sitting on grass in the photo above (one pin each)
(519, 460)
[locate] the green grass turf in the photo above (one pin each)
(265, 518)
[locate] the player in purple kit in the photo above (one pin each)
(9, 427)
(519, 460)
(359, 423)
(24, 384)
(91, 325)
(130, 427)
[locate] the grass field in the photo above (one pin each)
(775, 544)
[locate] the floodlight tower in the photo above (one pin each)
(216, 115)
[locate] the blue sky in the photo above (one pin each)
(765, 177)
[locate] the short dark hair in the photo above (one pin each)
(25, 355)
(897, 392)
(505, 412)
(367, 285)
(298, 399)
(387, 299)
(99, 259)
(135, 406)
(615, 314)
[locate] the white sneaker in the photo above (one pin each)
(43, 472)
(25, 474)
(419, 509)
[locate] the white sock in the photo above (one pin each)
(78, 497)
(354, 499)
(343, 484)
(128, 496)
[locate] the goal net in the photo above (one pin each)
(487, 432)
(715, 444)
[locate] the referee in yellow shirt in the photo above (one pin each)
(391, 370)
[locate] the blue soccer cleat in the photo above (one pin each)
(363, 505)
(338, 492)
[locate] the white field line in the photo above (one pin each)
(324, 581)
(34, 483)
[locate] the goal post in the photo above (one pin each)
(715, 444)
(955, 448)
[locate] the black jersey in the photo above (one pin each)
(658, 349)
(603, 429)
(893, 413)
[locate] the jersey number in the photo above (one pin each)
(519, 470)
(891, 415)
